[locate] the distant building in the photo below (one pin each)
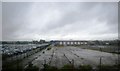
(69, 42)
(79, 42)
(42, 41)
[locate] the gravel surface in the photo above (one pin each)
(60, 56)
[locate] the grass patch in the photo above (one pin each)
(85, 68)
(48, 48)
(49, 68)
(107, 68)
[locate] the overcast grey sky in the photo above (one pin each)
(63, 20)
(0, 21)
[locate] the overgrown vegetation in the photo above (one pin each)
(85, 68)
(108, 68)
(48, 48)
(49, 68)
(82, 68)
(68, 68)
(30, 67)
(12, 66)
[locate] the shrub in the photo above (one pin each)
(68, 68)
(49, 68)
(31, 68)
(43, 52)
(85, 68)
(106, 68)
(48, 48)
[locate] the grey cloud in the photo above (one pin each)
(13, 19)
(0, 21)
(102, 15)
(26, 21)
(119, 20)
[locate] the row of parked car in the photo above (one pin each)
(10, 50)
